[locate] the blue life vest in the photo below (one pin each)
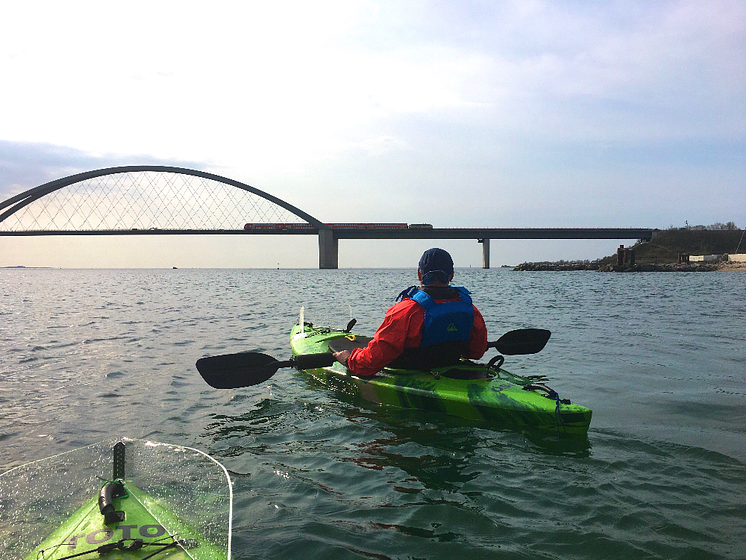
(448, 321)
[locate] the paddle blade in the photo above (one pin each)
(231, 371)
(244, 369)
(521, 341)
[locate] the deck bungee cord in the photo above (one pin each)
(121, 544)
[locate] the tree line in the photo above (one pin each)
(730, 226)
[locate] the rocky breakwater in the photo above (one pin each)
(640, 267)
(559, 266)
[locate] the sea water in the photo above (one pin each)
(660, 358)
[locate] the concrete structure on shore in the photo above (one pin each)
(728, 257)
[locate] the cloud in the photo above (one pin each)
(24, 165)
(516, 113)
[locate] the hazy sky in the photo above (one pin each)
(460, 114)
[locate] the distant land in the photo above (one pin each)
(21, 266)
(667, 251)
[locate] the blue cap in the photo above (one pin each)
(435, 264)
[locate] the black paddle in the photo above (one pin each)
(231, 371)
(521, 341)
(244, 369)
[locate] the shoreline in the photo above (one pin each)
(725, 266)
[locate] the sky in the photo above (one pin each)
(459, 114)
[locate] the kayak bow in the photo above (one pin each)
(175, 503)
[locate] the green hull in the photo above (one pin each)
(144, 519)
(175, 505)
(499, 399)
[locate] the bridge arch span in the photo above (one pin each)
(132, 195)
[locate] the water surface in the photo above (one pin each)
(660, 358)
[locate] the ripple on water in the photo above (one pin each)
(660, 475)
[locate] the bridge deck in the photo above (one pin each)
(165, 200)
(411, 233)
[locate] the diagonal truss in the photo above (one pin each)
(144, 197)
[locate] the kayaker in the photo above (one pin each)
(432, 325)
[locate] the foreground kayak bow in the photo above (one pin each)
(163, 501)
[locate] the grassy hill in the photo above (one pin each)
(666, 245)
(662, 252)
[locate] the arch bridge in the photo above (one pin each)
(164, 200)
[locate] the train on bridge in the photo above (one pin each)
(303, 227)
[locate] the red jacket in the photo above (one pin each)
(402, 328)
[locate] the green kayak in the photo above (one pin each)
(162, 501)
(470, 390)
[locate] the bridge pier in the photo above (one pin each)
(328, 250)
(485, 252)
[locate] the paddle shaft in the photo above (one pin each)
(244, 369)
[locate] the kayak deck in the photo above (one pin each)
(174, 504)
(141, 534)
(493, 395)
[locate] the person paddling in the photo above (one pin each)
(430, 326)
